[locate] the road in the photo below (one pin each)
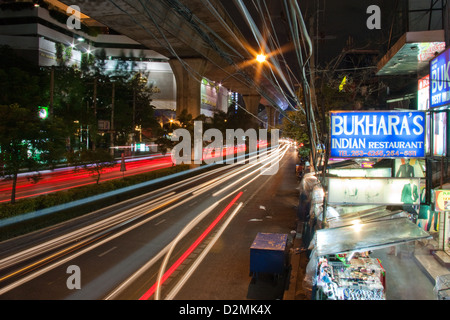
(156, 246)
(66, 178)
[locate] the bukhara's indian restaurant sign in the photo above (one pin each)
(377, 134)
(440, 80)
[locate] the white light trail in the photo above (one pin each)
(171, 295)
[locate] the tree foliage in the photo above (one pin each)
(94, 162)
(28, 142)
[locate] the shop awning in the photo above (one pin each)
(367, 236)
(363, 216)
(411, 53)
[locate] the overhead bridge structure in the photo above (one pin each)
(200, 40)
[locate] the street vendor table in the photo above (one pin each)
(361, 278)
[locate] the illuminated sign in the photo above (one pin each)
(439, 133)
(442, 200)
(377, 134)
(440, 80)
(423, 103)
(427, 50)
(374, 191)
(361, 173)
(423, 93)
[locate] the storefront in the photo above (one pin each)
(341, 266)
(439, 106)
(368, 209)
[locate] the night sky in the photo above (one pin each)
(339, 20)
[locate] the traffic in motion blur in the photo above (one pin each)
(132, 249)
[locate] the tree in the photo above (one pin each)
(63, 53)
(28, 142)
(239, 118)
(94, 162)
(185, 120)
(295, 128)
(20, 82)
(164, 144)
(87, 63)
(219, 121)
(142, 94)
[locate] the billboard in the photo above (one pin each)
(440, 80)
(423, 93)
(374, 191)
(377, 134)
(442, 200)
(409, 168)
(439, 133)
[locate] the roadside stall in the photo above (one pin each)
(345, 277)
(356, 218)
(341, 268)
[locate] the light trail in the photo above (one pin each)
(155, 289)
(269, 159)
(102, 232)
(197, 262)
(118, 220)
(151, 262)
(112, 222)
(138, 166)
(162, 278)
(58, 182)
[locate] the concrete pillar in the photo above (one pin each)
(276, 117)
(252, 104)
(188, 85)
(270, 111)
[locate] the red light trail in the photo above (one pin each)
(68, 179)
(186, 254)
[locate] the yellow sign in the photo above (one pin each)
(442, 200)
(343, 83)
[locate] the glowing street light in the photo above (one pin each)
(261, 58)
(43, 112)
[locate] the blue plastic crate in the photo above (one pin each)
(268, 253)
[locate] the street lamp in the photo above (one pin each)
(261, 58)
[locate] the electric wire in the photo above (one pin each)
(197, 25)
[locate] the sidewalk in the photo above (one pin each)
(299, 261)
(410, 276)
(433, 262)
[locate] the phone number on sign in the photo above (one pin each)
(377, 153)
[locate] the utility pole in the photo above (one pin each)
(112, 117)
(52, 88)
(95, 98)
(133, 125)
(95, 110)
